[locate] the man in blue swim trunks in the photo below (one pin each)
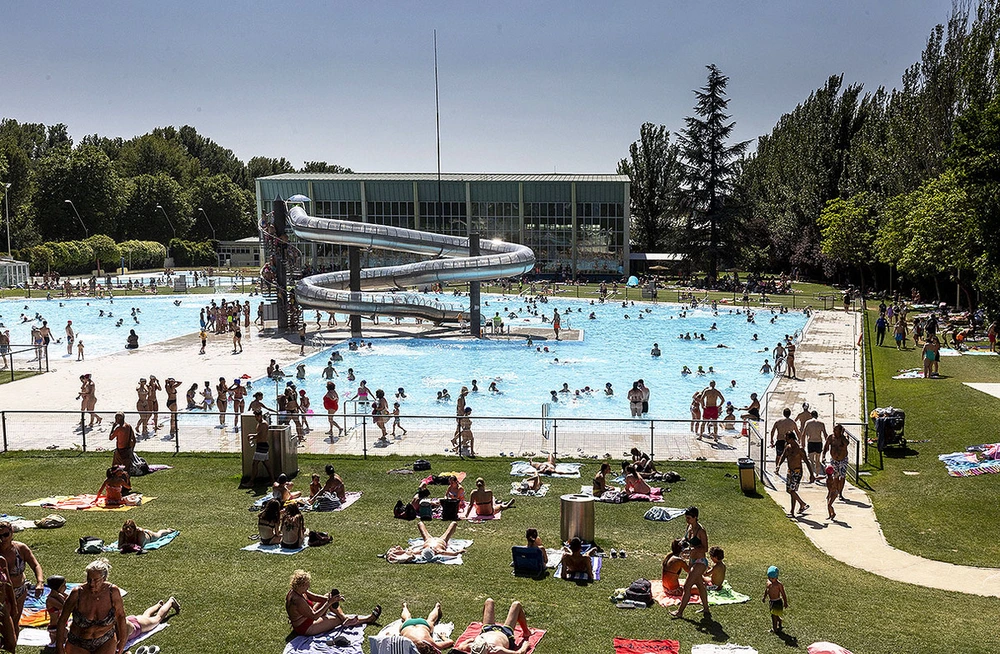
(421, 631)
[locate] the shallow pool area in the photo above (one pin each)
(614, 349)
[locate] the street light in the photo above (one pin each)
(767, 399)
(6, 202)
(833, 410)
(209, 222)
(160, 207)
(86, 232)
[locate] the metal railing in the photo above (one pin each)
(35, 358)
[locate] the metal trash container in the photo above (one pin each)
(283, 454)
(449, 509)
(576, 517)
(748, 478)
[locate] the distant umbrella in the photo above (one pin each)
(298, 197)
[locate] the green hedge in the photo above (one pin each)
(193, 253)
(80, 257)
(142, 255)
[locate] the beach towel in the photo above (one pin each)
(824, 647)
(40, 637)
(663, 513)
(476, 628)
(975, 460)
(982, 353)
(617, 497)
(156, 544)
(949, 352)
(728, 648)
(155, 467)
(34, 614)
(303, 502)
(442, 630)
(454, 545)
(563, 470)
(596, 562)
(273, 549)
(483, 518)
(86, 503)
(323, 643)
(912, 373)
(629, 646)
(717, 597)
(515, 489)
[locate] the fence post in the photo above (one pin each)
(364, 436)
(83, 431)
(651, 422)
(857, 464)
(177, 441)
(3, 418)
(555, 436)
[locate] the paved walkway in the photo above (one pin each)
(855, 537)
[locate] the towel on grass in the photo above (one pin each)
(274, 549)
(476, 628)
(442, 630)
(717, 597)
(619, 497)
(40, 637)
(85, 503)
(596, 562)
(975, 460)
(323, 643)
(982, 353)
(728, 648)
(563, 470)
(350, 497)
(303, 502)
(912, 373)
(630, 646)
(156, 467)
(155, 544)
(454, 545)
(824, 647)
(35, 614)
(663, 513)
(483, 518)
(429, 479)
(515, 489)
(949, 352)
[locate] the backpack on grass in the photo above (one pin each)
(90, 545)
(640, 590)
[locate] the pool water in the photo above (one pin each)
(614, 349)
(159, 319)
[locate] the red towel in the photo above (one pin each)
(629, 646)
(475, 628)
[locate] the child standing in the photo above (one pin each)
(203, 335)
(79, 350)
(775, 598)
(395, 419)
(831, 492)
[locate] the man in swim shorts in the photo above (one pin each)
(836, 445)
(421, 632)
(795, 457)
(781, 427)
(813, 436)
(497, 638)
(711, 400)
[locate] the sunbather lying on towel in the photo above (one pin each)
(131, 534)
(547, 467)
(574, 561)
(421, 631)
(484, 503)
(431, 547)
(312, 614)
(531, 484)
(498, 638)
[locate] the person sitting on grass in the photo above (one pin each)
(455, 490)
(496, 638)
(483, 501)
(133, 535)
(311, 614)
(634, 484)
(428, 550)
(334, 484)
(269, 523)
(575, 562)
(116, 479)
(716, 575)
(601, 480)
(421, 632)
(281, 490)
(293, 528)
(672, 567)
(532, 540)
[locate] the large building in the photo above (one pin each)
(577, 225)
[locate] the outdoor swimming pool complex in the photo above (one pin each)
(614, 349)
(159, 319)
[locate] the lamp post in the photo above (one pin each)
(6, 202)
(209, 222)
(86, 232)
(170, 259)
(767, 399)
(833, 410)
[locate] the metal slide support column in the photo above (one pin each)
(280, 256)
(354, 256)
(475, 323)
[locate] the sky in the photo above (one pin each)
(525, 87)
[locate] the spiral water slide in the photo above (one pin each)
(381, 287)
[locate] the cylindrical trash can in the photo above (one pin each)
(449, 509)
(577, 517)
(748, 478)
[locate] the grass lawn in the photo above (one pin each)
(931, 514)
(18, 374)
(233, 600)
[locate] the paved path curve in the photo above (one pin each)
(855, 537)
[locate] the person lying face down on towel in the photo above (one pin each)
(432, 547)
(311, 614)
(421, 631)
(573, 561)
(132, 534)
(498, 638)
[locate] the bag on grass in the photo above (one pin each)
(640, 590)
(52, 521)
(317, 538)
(90, 545)
(421, 464)
(404, 511)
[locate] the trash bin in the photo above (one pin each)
(748, 478)
(576, 514)
(449, 509)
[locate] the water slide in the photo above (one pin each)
(381, 288)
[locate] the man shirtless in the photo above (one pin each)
(803, 416)
(546, 467)
(780, 428)
(790, 361)
(836, 444)
(813, 436)
(430, 549)
(421, 631)
(795, 457)
(497, 638)
(70, 337)
(711, 401)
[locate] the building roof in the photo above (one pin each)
(448, 177)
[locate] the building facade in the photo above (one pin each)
(577, 225)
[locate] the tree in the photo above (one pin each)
(848, 228)
(140, 219)
(323, 167)
(656, 174)
(151, 154)
(710, 167)
(229, 208)
(265, 167)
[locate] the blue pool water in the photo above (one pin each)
(159, 319)
(614, 350)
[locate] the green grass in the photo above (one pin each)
(18, 375)
(931, 514)
(233, 600)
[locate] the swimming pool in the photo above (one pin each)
(614, 349)
(159, 319)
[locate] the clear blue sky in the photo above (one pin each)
(525, 86)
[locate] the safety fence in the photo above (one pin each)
(23, 358)
(759, 447)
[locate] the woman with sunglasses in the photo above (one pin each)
(18, 557)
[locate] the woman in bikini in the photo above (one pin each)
(99, 624)
(293, 528)
(601, 480)
(88, 398)
(115, 487)
(696, 424)
(672, 567)
(142, 407)
(222, 400)
(696, 539)
(238, 393)
(171, 386)
(15, 558)
(331, 402)
(132, 534)
(532, 540)
(8, 603)
(311, 614)
(635, 484)
(421, 631)
(292, 412)
(269, 523)
(483, 501)
(154, 402)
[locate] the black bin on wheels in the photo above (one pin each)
(748, 478)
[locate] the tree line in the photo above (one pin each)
(169, 183)
(850, 184)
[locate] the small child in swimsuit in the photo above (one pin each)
(715, 577)
(775, 598)
(54, 604)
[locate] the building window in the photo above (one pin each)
(444, 218)
(395, 214)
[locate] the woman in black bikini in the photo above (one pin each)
(696, 539)
(484, 502)
(99, 622)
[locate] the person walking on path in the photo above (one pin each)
(795, 457)
(836, 445)
(813, 436)
(881, 325)
(790, 371)
(780, 428)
